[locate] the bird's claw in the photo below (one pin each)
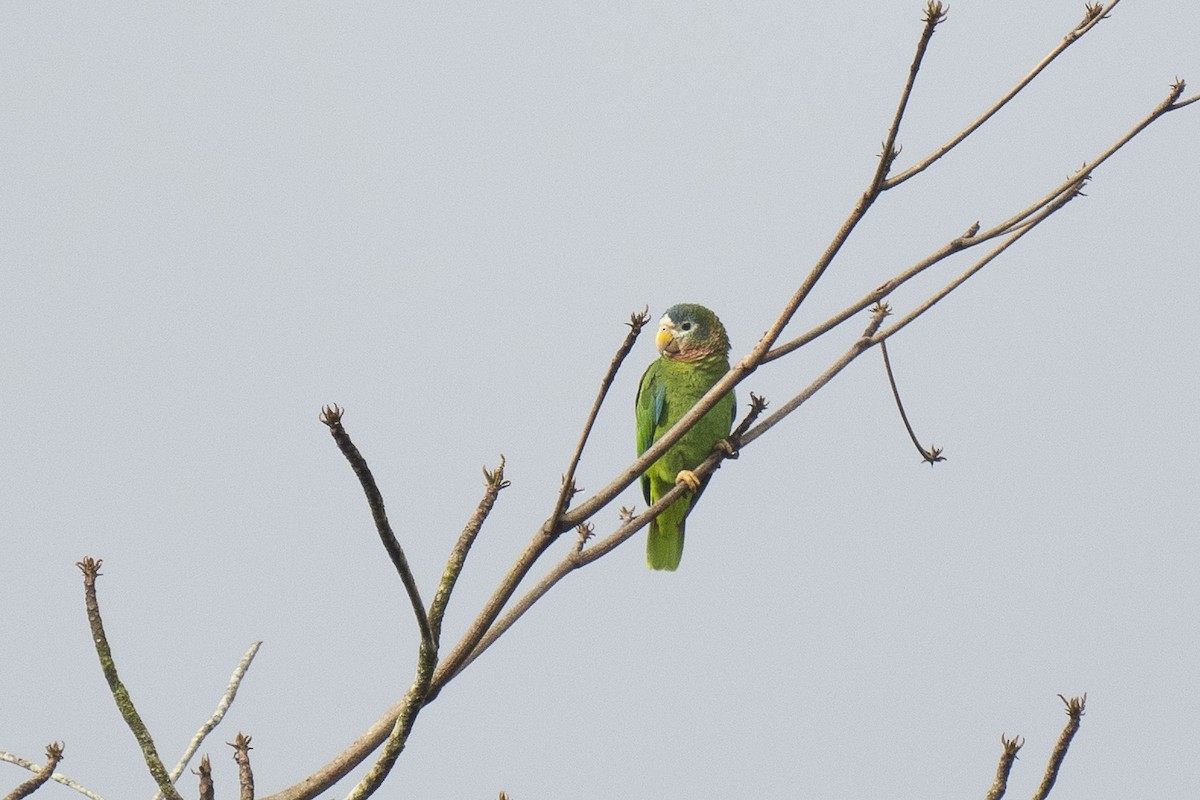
(688, 478)
(727, 447)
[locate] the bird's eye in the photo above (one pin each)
(687, 326)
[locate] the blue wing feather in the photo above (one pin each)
(660, 404)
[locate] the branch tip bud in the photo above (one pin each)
(935, 13)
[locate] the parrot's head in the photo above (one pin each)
(688, 332)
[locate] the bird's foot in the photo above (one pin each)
(689, 478)
(727, 447)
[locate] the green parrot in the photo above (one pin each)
(693, 356)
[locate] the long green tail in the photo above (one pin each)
(664, 544)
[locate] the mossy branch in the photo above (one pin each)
(90, 568)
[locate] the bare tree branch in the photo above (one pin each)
(750, 362)
(1092, 18)
(90, 568)
(393, 727)
(933, 454)
(332, 417)
(241, 754)
(1035, 215)
(452, 664)
(636, 323)
(1017, 225)
(57, 777)
(1075, 707)
(489, 624)
(54, 754)
(861, 345)
(235, 680)
(458, 555)
(1007, 757)
(412, 703)
(935, 14)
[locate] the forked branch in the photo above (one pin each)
(410, 706)
(1093, 14)
(497, 615)
(637, 321)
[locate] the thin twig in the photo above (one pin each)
(57, 777)
(636, 322)
(241, 754)
(90, 568)
(933, 454)
(1075, 708)
(1022, 223)
(934, 299)
(453, 663)
(1007, 757)
(331, 416)
(935, 14)
(860, 345)
(1015, 228)
(546, 536)
(1073, 36)
(235, 681)
(395, 723)
(458, 555)
(973, 237)
(403, 710)
(54, 754)
(876, 295)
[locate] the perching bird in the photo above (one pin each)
(693, 356)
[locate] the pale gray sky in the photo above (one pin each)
(219, 217)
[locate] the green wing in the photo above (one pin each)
(651, 408)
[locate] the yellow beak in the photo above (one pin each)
(663, 339)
